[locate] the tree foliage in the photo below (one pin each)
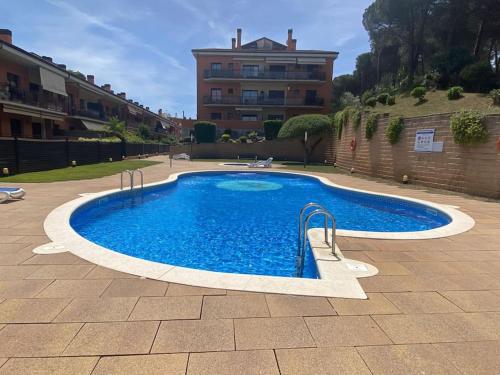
(295, 127)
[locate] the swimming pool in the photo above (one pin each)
(237, 222)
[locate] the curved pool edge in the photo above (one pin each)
(331, 284)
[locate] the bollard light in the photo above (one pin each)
(73, 163)
(123, 157)
(405, 179)
(334, 165)
(110, 159)
(352, 170)
(5, 171)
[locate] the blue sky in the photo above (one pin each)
(144, 47)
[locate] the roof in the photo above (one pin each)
(264, 43)
(71, 75)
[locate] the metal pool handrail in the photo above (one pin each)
(142, 177)
(302, 240)
(131, 176)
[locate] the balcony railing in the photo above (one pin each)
(250, 74)
(290, 101)
(88, 113)
(34, 98)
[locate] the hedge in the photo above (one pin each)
(205, 131)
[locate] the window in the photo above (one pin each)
(36, 129)
(249, 117)
(216, 95)
(250, 71)
(230, 115)
(277, 96)
(216, 67)
(277, 71)
(215, 116)
(13, 80)
(275, 117)
(15, 128)
(230, 66)
(230, 91)
(249, 96)
(310, 97)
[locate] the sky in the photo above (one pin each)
(143, 47)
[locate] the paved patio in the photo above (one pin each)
(433, 308)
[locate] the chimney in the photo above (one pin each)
(6, 36)
(160, 112)
(122, 95)
(90, 79)
(233, 43)
(294, 44)
(107, 87)
(136, 103)
(47, 58)
(238, 38)
(147, 108)
(289, 41)
(62, 66)
(130, 101)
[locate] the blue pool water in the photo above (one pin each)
(236, 222)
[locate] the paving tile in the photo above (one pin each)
(472, 357)
(2, 361)
(22, 288)
(426, 268)
(15, 258)
(167, 308)
(135, 288)
(61, 272)
(16, 272)
(31, 310)
(478, 300)
(406, 359)
(388, 256)
(345, 331)
(240, 362)
(421, 302)
(113, 338)
(36, 340)
(194, 336)
(61, 258)
(156, 364)
(234, 306)
(315, 361)
(285, 305)
(271, 333)
(430, 328)
(49, 366)
(375, 304)
(390, 268)
(74, 289)
(187, 290)
(107, 273)
(98, 310)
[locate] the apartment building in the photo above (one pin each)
(42, 99)
(240, 87)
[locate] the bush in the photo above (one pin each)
(243, 139)
(394, 129)
(372, 101)
(143, 131)
(272, 129)
(371, 125)
(495, 95)
(228, 131)
(419, 93)
(103, 140)
(478, 77)
(382, 98)
(468, 127)
(455, 93)
(348, 100)
(225, 137)
(296, 126)
(205, 131)
(391, 100)
(339, 120)
(366, 95)
(356, 118)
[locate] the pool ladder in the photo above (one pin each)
(131, 173)
(304, 226)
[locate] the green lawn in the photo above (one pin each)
(436, 102)
(82, 172)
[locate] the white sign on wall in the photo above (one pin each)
(424, 140)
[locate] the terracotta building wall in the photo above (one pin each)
(468, 169)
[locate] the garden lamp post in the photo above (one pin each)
(191, 152)
(305, 149)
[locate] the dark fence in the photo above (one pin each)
(31, 155)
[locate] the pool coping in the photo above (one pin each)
(338, 276)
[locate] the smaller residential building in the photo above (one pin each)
(42, 99)
(240, 87)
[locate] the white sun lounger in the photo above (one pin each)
(261, 164)
(182, 156)
(11, 193)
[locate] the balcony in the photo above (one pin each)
(263, 75)
(290, 101)
(39, 99)
(96, 115)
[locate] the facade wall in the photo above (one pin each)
(468, 169)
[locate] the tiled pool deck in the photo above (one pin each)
(433, 308)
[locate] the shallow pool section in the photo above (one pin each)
(237, 222)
